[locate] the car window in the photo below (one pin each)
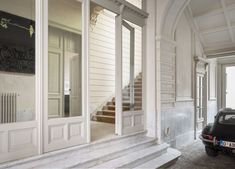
(227, 119)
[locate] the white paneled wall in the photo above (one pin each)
(102, 58)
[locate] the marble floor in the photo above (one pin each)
(102, 131)
(194, 157)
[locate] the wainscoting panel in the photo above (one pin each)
(18, 140)
(64, 132)
(133, 121)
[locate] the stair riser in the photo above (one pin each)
(106, 113)
(112, 108)
(112, 156)
(128, 94)
(143, 160)
(104, 119)
(136, 99)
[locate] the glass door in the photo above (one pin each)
(130, 117)
(66, 121)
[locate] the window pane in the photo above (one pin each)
(227, 119)
(132, 68)
(64, 58)
(17, 61)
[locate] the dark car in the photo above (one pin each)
(220, 135)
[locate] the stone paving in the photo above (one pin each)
(194, 157)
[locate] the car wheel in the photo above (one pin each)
(211, 152)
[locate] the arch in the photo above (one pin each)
(170, 15)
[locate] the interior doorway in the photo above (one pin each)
(229, 85)
(201, 94)
(102, 72)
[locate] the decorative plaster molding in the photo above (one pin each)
(95, 12)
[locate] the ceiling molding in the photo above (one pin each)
(226, 14)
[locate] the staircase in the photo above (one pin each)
(107, 114)
(134, 151)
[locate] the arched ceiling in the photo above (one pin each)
(215, 23)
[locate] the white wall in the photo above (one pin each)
(183, 60)
(177, 77)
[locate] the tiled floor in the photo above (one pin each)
(194, 157)
(102, 131)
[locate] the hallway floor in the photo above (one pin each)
(102, 131)
(194, 157)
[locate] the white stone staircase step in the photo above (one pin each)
(164, 160)
(136, 158)
(89, 155)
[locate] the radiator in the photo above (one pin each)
(8, 107)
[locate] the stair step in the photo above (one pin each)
(108, 112)
(136, 158)
(164, 160)
(104, 118)
(85, 155)
(112, 107)
(139, 94)
(127, 103)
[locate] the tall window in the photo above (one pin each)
(230, 90)
(17, 61)
(64, 58)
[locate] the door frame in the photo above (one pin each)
(201, 67)
(118, 73)
(42, 45)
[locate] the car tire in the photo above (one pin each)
(211, 152)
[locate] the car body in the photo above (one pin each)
(220, 135)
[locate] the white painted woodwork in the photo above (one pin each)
(201, 93)
(18, 140)
(132, 121)
(64, 68)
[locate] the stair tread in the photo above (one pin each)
(167, 158)
(74, 162)
(121, 162)
(110, 111)
(105, 116)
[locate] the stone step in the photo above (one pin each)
(104, 118)
(162, 161)
(136, 158)
(85, 155)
